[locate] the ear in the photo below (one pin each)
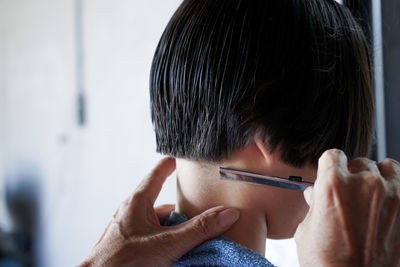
(263, 149)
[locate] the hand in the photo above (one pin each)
(135, 236)
(354, 216)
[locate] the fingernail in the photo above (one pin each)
(307, 195)
(228, 217)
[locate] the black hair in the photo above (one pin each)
(296, 73)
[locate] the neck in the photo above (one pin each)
(200, 188)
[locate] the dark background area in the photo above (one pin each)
(362, 10)
(391, 57)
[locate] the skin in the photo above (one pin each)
(354, 216)
(265, 211)
(135, 235)
(353, 220)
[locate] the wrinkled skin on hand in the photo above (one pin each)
(354, 216)
(135, 235)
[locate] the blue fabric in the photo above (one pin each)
(219, 251)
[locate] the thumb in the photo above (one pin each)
(209, 224)
(308, 195)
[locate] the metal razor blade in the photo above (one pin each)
(292, 182)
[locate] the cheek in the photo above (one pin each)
(284, 210)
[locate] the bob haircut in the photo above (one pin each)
(295, 73)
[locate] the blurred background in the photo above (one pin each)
(75, 128)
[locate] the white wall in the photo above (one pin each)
(3, 223)
(83, 173)
(37, 101)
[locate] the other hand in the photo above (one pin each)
(135, 235)
(354, 216)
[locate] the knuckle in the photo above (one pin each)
(201, 226)
(395, 162)
(331, 157)
(358, 165)
(390, 164)
(387, 162)
(362, 161)
(390, 169)
(333, 153)
(358, 159)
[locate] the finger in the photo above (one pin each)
(207, 225)
(362, 164)
(390, 169)
(163, 212)
(308, 195)
(151, 186)
(332, 163)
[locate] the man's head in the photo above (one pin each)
(295, 73)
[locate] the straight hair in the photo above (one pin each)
(295, 73)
